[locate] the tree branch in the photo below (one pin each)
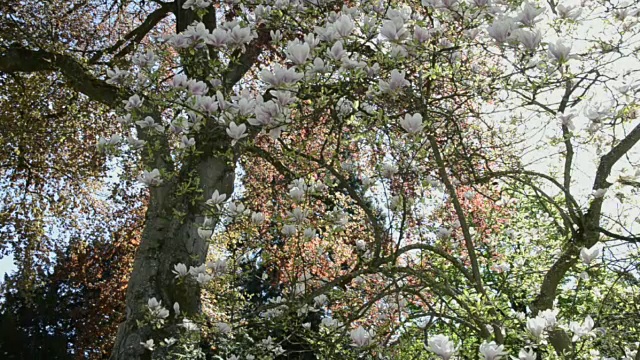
(587, 238)
(461, 217)
(19, 59)
(136, 35)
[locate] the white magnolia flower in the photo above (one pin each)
(423, 322)
(236, 132)
(115, 139)
(196, 33)
(430, 3)
(330, 322)
(215, 83)
(135, 143)
(449, 4)
(216, 199)
(266, 113)
(501, 29)
(149, 345)
(519, 315)
(568, 12)
(162, 313)
(530, 40)
(492, 351)
(307, 325)
(278, 350)
(527, 355)
(396, 82)
(289, 230)
(257, 218)
(309, 233)
(421, 34)
(197, 87)
(223, 327)
(398, 52)
(195, 270)
(469, 195)
(189, 325)
(394, 30)
(588, 255)
(481, 3)
(566, 120)
(389, 170)
(124, 120)
(395, 204)
(443, 233)
(146, 59)
(584, 276)
(598, 112)
(180, 270)
(179, 41)
(344, 26)
(373, 70)
(312, 40)
(412, 123)
(528, 15)
(116, 76)
(276, 36)
(296, 194)
(560, 52)
(134, 102)
(186, 142)
(176, 308)
(206, 104)
(170, 341)
(297, 215)
(630, 354)
(196, 4)
(337, 51)
(550, 316)
(625, 89)
(320, 300)
(623, 11)
(154, 304)
(149, 123)
(219, 267)
(236, 209)
(361, 245)
(442, 346)
(150, 178)
(156, 308)
(245, 106)
(203, 278)
(580, 330)
(536, 326)
(218, 38)
(360, 337)
(319, 67)
(599, 193)
(280, 76)
(241, 35)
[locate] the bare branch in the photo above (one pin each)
(19, 59)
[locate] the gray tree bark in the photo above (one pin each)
(166, 241)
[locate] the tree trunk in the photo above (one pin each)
(166, 241)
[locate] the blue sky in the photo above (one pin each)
(6, 265)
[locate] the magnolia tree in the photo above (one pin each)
(362, 179)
